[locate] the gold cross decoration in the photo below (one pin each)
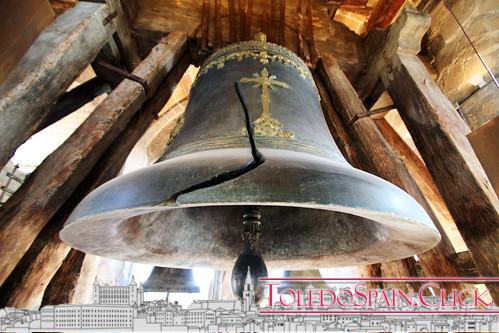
(267, 125)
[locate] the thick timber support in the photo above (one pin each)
(25, 285)
(51, 64)
(378, 157)
(36, 202)
(58, 290)
(126, 43)
(75, 99)
(400, 268)
(440, 136)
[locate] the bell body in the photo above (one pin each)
(168, 279)
(317, 210)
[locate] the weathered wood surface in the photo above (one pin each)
(127, 44)
(466, 264)
(405, 35)
(400, 268)
(419, 173)
(34, 204)
(33, 16)
(329, 36)
(61, 286)
(377, 157)
(71, 42)
(440, 136)
(109, 167)
(75, 99)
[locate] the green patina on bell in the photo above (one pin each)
(316, 209)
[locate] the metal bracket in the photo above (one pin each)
(123, 73)
(369, 114)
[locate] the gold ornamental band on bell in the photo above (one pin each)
(316, 209)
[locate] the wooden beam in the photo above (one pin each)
(75, 99)
(232, 21)
(299, 30)
(25, 285)
(440, 136)
(399, 268)
(59, 174)
(273, 21)
(422, 177)
(248, 17)
(378, 157)
(71, 43)
(205, 22)
(126, 42)
(218, 26)
(242, 20)
(282, 22)
(311, 41)
(61, 286)
(265, 23)
(389, 13)
(466, 264)
(33, 16)
(59, 290)
(376, 13)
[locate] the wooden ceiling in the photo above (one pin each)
(307, 27)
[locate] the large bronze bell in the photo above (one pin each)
(316, 210)
(167, 279)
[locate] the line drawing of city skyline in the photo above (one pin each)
(123, 309)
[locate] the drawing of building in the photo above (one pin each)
(122, 309)
(131, 294)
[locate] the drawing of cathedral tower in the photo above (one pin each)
(96, 292)
(248, 293)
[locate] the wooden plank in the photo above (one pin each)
(389, 13)
(75, 99)
(218, 26)
(272, 37)
(376, 13)
(61, 286)
(126, 43)
(71, 43)
(33, 16)
(378, 157)
(58, 176)
(205, 21)
(428, 189)
(282, 22)
(311, 41)
(299, 30)
(232, 21)
(248, 17)
(399, 268)
(242, 20)
(466, 264)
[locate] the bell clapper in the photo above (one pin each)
(250, 258)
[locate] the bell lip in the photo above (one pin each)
(419, 227)
(427, 234)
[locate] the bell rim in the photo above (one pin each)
(379, 246)
(423, 231)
